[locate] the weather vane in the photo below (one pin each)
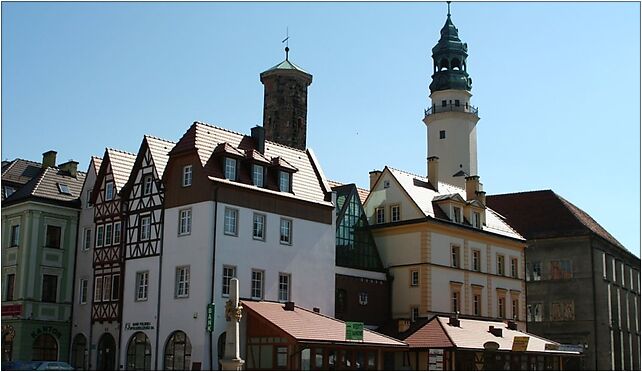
(287, 42)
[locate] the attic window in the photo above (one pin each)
(457, 214)
(64, 189)
(8, 190)
(386, 184)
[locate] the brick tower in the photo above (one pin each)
(285, 103)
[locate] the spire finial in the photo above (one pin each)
(448, 2)
(287, 42)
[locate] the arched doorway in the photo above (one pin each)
(220, 348)
(45, 348)
(106, 357)
(8, 333)
(139, 353)
(178, 352)
(79, 352)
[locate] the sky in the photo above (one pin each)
(557, 86)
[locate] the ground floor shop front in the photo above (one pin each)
(27, 340)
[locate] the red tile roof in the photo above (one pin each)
(305, 325)
(544, 214)
(432, 334)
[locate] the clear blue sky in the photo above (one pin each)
(557, 85)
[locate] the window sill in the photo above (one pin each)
(179, 234)
(258, 239)
(230, 234)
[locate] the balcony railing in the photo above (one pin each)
(451, 107)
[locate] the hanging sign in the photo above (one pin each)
(210, 317)
(354, 331)
(520, 343)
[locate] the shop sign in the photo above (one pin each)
(574, 348)
(551, 347)
(210, 317)
(436, 359)
(354, 331)
(138, 326)
(520, 343)
(46, 329)
(12, 310)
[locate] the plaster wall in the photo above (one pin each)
(398, 248)
(385, 197)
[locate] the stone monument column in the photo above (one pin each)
(233, 312)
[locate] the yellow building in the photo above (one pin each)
(445, 250)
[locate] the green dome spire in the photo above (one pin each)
(449, 60)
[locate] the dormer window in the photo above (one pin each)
(230, 169)
(187, 176)
(258, 172)
(476, 220)
(457, 214)
(284, 181)
(109, 191)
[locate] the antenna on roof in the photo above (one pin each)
(448, 2)
(287, 42)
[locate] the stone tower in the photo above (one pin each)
(285, 103)
(451, 119)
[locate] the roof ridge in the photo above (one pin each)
(284, 146)
(406, 172)
(503, 219)
(95, 157)
(121, 151)
(158, 138)
(11, 164)
(219, 128)
(522, 192)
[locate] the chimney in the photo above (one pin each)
(258, 134)
(472, 186)
(49, 159)
(70, 167)
(374, 176)
(453, 321)
(316, 310)
(512, 325)
(289, 306)
(481, 196)
(497, 332)
(403, 325)
(433, 171)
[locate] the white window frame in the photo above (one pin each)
(106, 288)
(142, 285)
(100, 235)
(83, 286)
(182, 285)
(414, 278)
(285, 181)
(455, 256)
(477, 296)
(395, 213)
(186, 180)
(537, 276)
(258, 226)
(500, 257)
(257, 284)
(476, 260)
(109, 191)
(258, 175)
(514, 267)
(148, 184)
(457, 214)
(229, 272)
(88, 201)
(98, 289)
(108, 234)
(86, 238)
(230, 168)
(476, 219)
(117, 232)
(380, 215)
(231, 221)
(145, 228)
(285, 230)
(285, 281)
(185, 221)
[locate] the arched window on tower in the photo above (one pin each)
(455, 64)
(443, 65)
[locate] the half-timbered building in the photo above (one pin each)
(108, 256)
(143, 227)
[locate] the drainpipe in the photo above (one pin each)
(73, 288)
(213, 275)
(594, 302)
(160, 282)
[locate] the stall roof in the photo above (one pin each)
(307, 326)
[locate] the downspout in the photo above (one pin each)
(594, 302)
(213, 275)
(73, 288)
(160, 282)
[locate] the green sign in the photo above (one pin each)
(210, 317)
(354, 331)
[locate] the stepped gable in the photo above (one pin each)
(544, 214)
(424, 197)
